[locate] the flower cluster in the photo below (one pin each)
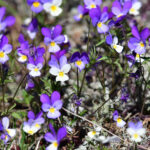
(52, 6)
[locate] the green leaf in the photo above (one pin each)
(100, 43)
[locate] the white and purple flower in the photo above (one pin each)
(113, 42)
(54, 137)
(90, 4)
(59, 69)
(53, 38)
(52, 104)
(119, 122)
(8, 133)
(80, 60)
(34, 123)
(5, 49)
(136, 131)
(138, 42)
(53, 7)
(99, 19)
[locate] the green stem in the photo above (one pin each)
(19, 86)
(77, 82)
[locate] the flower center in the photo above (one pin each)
(2, 54)
(141, 44)
(61, 74)
(115, 46)
(135, 135)
(37, 125)
(80, 16)
(36, 4)
(52, 44)
(119, 15)
(8, 131)
(79, 62)
(93, 6)
(6, 137)
(53, 8)
(93, 132)
(36, 69)
(99, 24)
(52, 109)
(137, 56)
(55, 144)
(24, 57)
(119, 120)
(132, 10)
(30, 132)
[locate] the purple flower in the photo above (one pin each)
(131, 59)
(55, 138)
(120, 11)
(7, 132)
(30, 84)
(135, 75)
(113, 42)
(5, 49)
(90, 4)
(36, 5)
(34, 123)
(124, 94)
(53, 37)
(136, 130)
(98, 19)
(24, 50)
(117, 118)
(8, 21)
(32, 29)
(59, 69)
(35, 62)
(52, 104)
(138, 42)
(81, 12)
(80, 60)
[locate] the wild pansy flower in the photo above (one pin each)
(36, 5)
(30, 84)
(81, 12)
(136, 5)
(32, 28)
(119, 10)
(34, 123)
(54, 137)
(35, 62)
(99, 19)
(23, 50)
(59, 69)
(5, 49)
(124, 94)
(136, 130)
(117, 118)
(92, 134)
(80, 60)
(7, 22)
(53, 7)
(66, 44)
(52, 104)
(89, 4)
(7, 132)
(113, 42)
(53, 37)
(138, 42)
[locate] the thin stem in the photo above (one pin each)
(82, 83)
(77, 81)
(19, 86)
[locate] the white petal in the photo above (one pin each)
(66, 68)
(54, 71)
(47, 6)
(5, 122)
(141, 131)
(57, 2)
(30, 66)
(63, 78)
(57, 12)
(11, 132)
(35, 73)
(121, 124)
(137, 5)
(136, 139)
(130, 131)
(119, 48)
(31, 34)
(115, 40)
(54, 49)
(51, 147)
